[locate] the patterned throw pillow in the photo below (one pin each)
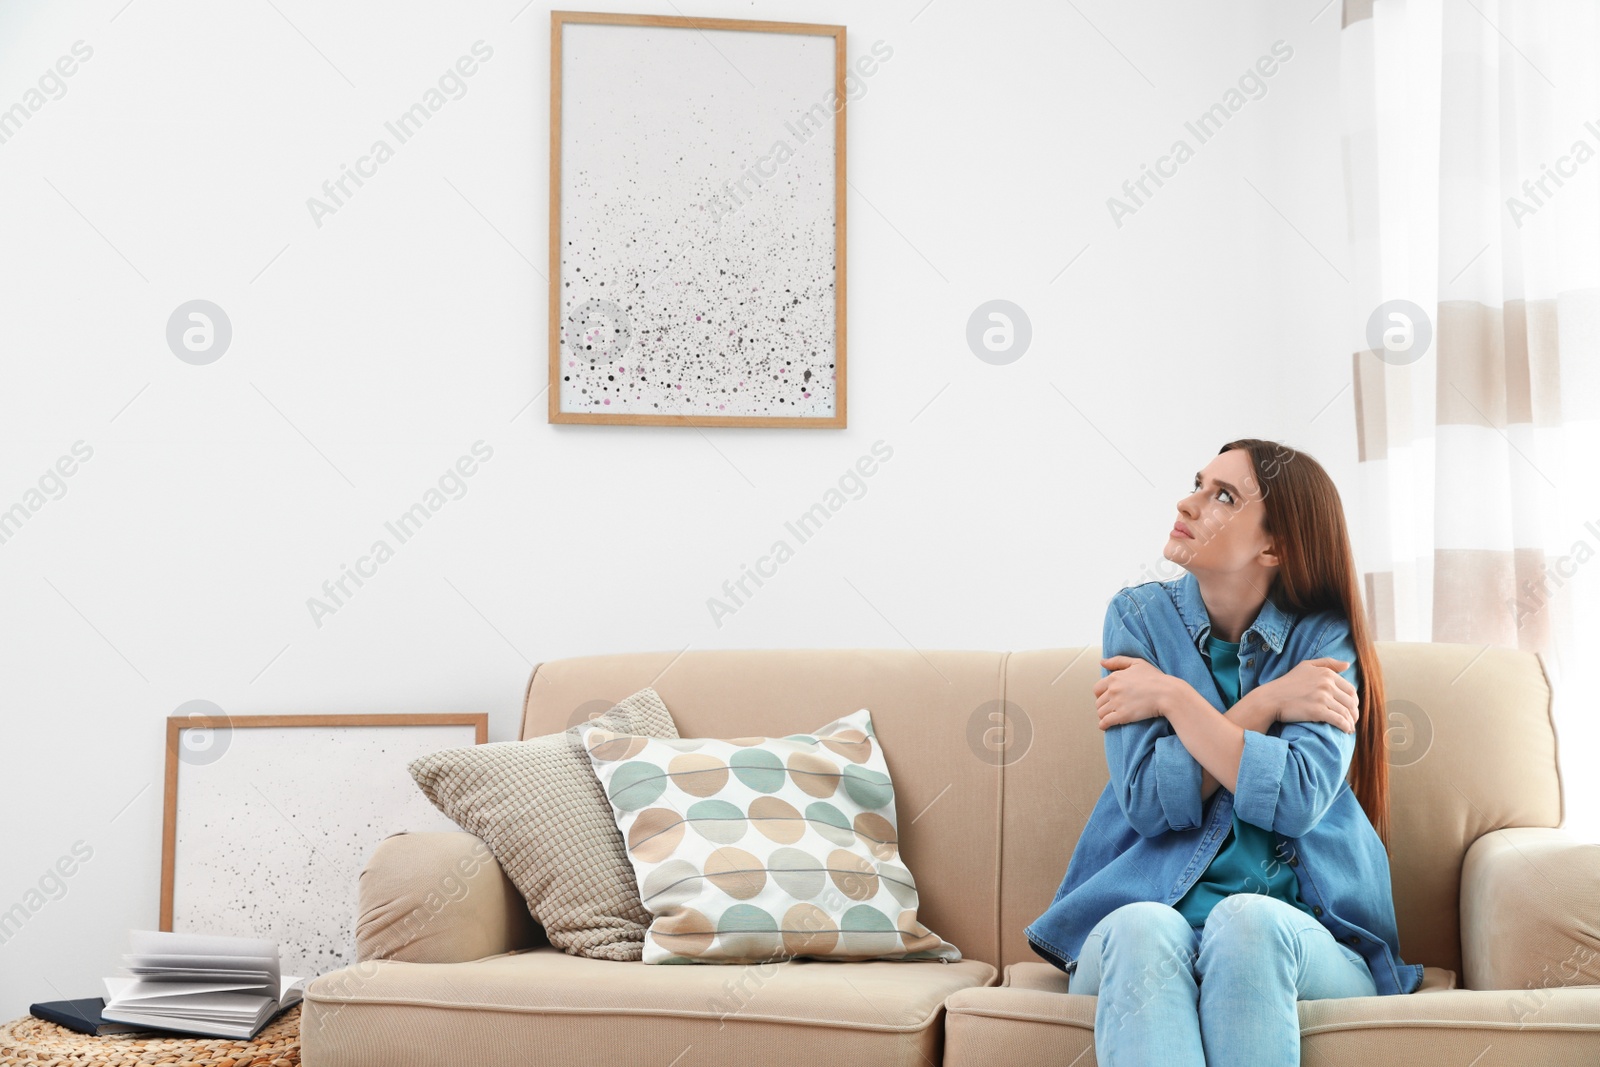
(538, 807)
(757, 848)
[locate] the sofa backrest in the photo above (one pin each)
(990, 802)
(1472, 750)
(947, 794)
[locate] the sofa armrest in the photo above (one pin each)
(1530, 910)
(439, 898)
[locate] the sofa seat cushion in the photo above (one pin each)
(558, 1008)
(1030, 1019)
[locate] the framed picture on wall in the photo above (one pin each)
(269, 820)
(697, 221)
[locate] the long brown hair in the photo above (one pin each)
(1317, 570)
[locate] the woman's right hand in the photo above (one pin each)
(1315, 691)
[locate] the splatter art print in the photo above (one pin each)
(270, 820)
(697, 257)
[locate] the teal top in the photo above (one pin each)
(1245, 863)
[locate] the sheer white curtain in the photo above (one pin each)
(1472, 165)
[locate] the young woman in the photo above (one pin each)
(1229, 868)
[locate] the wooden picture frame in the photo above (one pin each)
(766, 361)
(404, 807)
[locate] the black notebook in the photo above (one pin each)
(82, 1016)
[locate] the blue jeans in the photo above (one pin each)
(1179, 997)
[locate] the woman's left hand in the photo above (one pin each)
(1133, 690)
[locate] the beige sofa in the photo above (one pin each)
(1503, 910)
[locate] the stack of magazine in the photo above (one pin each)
(200, 984)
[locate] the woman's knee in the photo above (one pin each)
(1147, 928)
(1248, 922)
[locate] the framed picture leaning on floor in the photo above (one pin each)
(269, 820)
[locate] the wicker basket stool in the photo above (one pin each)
(31, 1042)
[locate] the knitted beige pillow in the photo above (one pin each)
(539, 807)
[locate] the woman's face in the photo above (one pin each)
(1222, 517)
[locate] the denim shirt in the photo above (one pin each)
(1149, 838)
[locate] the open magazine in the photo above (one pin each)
(200, 984)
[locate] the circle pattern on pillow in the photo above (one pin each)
(754, 849)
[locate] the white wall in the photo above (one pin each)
(369, 353)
